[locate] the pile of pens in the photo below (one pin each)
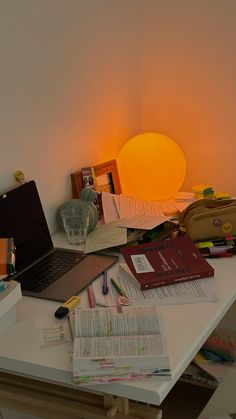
(94, 301)
(217, 248)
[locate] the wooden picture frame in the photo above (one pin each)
(108, 168)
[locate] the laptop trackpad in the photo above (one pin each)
(78, 278)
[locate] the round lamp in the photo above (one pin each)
(151, 166)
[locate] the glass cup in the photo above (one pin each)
(76, 227)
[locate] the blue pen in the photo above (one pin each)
(104, 283)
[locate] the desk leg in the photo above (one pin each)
(114, 405)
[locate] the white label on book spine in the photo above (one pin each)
(141, 264)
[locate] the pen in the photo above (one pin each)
(91, 297)
(219, 255)
(232, 250)
(215, 250)
(118, 288)
(104, 283)
(224, 241)
(64, 309)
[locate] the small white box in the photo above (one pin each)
(8, 299)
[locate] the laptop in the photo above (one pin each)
(43, 270)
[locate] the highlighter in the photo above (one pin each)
(64, 309)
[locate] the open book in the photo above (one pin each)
(118, 343)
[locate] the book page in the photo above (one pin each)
(119, 346)
(106, 236)
(117, 321)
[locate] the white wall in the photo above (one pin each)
(189, 83)
(79, 77)
(69, 83)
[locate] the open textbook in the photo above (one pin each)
(118, 343)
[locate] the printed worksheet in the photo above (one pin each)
(106, 236)
(145, 222)
(128, 206)
(189, 292)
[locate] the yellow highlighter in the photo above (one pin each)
(64, 309)
(201, 245)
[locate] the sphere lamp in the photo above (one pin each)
(151, 166)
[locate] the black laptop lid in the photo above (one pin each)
(22, 217)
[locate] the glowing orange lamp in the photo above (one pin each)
(151, 166)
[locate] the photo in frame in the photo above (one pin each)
(102, 177)
(106, 177)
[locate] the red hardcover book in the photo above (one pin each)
(166, 262)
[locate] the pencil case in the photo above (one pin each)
(208, 219)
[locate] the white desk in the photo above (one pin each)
(186, 328)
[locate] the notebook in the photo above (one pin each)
(43, 270)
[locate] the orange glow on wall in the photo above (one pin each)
(151, 166)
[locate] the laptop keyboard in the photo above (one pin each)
(48, 270)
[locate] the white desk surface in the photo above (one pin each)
(186, 327)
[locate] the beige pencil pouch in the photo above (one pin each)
(209, 218)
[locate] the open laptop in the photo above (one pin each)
(43, 270)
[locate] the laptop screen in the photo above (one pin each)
(22, 217)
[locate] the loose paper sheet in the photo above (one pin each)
(128, 206)
(110, 212)
(197, 291)
(145, 222)
(51, 331)
(107, 235)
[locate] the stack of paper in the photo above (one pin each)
(118, 343)
(122, 212)
(140, 213)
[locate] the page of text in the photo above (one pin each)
(130, 320)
